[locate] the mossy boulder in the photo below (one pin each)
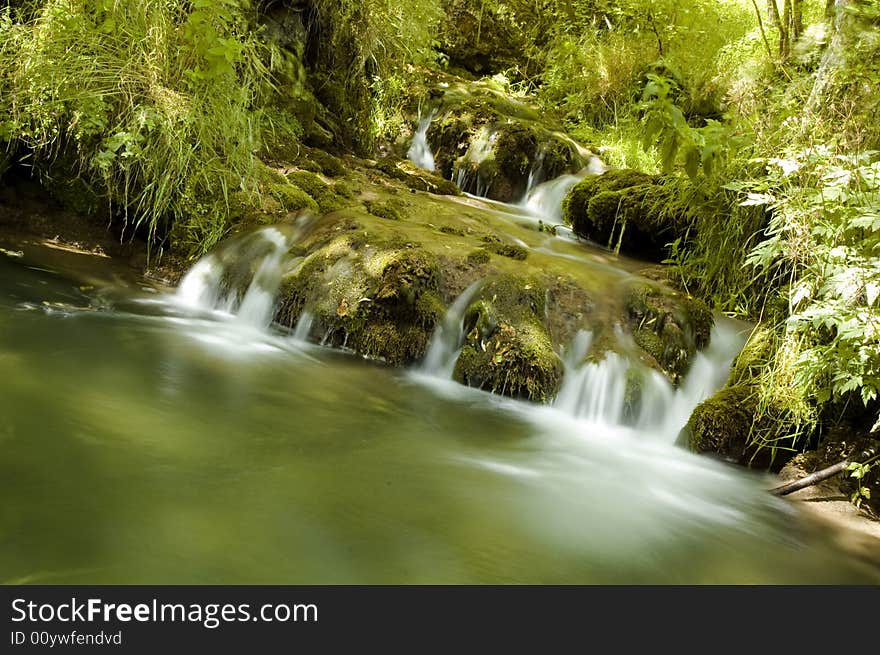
(415, 178)
(724, 425)
(392, 210)
(380, 300)
(507, 349)
(492, 143)
(327, 198)
(494, 156)
(511, 250)
(667, 325)
(638, 214)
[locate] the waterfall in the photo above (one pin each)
(420, 150)
(446, 342)
(545, 200)
(597, 391)
(536, 174)
(303, 327)
(242, 279)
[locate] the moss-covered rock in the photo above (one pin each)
(380, 300)
(479, 256)
(630, 211)
(494, 156)
(390, 210)
(511, 250)
(669, 326)
(292, 198)
(416, 178)
(491, 143)
(328, 198)
(507, 349)
(724, 425)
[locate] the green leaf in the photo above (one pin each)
(692, 162)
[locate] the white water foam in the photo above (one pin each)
(420, 152)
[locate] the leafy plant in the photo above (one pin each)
(152, 103)
(699, 149)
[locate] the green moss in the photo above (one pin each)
(632, 211)
(292, 198)
(508, 250)
(266, 175)
(330, 166)
(389, 210)
(281, 133)
(479, 256)
(380, 299)
(755, 357)
(415, 178)
(309, 182)
(508, 349)
(668, 326)
(327, 197)
(343, 190)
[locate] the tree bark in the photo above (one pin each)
(797, 20)
(777, 19)
(761, 27)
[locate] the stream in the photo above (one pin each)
(180, 437)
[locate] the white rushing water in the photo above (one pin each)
(420, 152)
(448, 338)
(597, 391)
(544, 200)
(245, 287)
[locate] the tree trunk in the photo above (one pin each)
(763, 32)
(797, 20)
(835, 54)
(779, 24)
(785, 37)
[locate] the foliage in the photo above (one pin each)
(703, 148)
(860, 472)
(603, 51)
(822, 242)
(362, 54)
(151, 102)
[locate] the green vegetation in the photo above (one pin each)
(744, 134)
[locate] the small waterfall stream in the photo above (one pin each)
(544, 200)
(420, 152)
(597, 391)
(445, 345)
(244, 284)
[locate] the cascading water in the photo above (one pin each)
(234, 287)
(420, 152)
(303, 327)
(545, 199)
(445, 344)
(597, 391)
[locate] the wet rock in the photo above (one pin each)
(491, 143)
(724, 425)
(629, 211)
(380, 300)
(416, 178)
(667, 325)
(507, 349)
